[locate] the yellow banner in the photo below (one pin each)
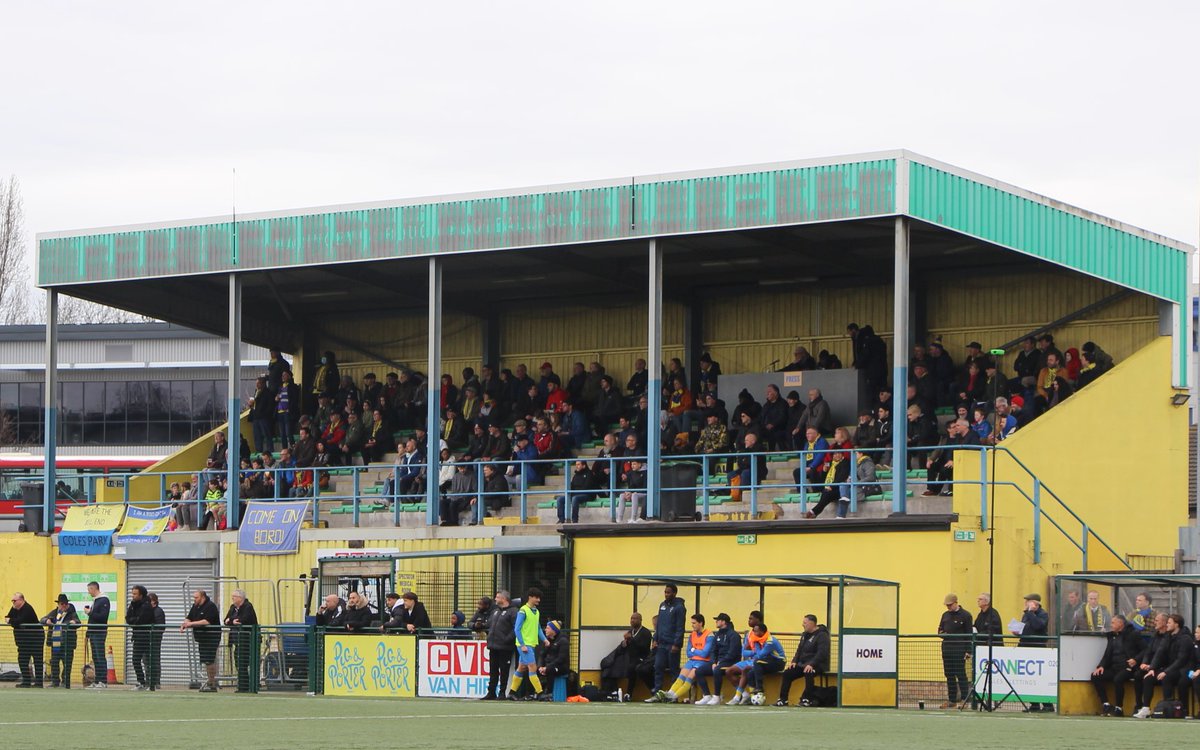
(103, 517)
(374, 665)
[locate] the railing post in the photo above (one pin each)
(124, 489)
(479, 500)
(395, 498)
(567, 499)
(524, 487)
(704, 485)
(612, 490)
(1037, 520)
(354, 485)
(853, 481)
(754, 486)
(316, 501)
(983, 480)
(1085, 546)
(162, 488)
(803, 484)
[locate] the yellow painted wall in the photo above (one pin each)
(179, 467)
(916, 559)
(1115, 452)
(258, 574)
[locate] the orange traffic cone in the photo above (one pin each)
(112, 669)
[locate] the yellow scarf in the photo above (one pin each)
(1051, 375)
(1089, 368)
(833, 466)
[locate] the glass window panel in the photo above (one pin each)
(70, 434)
(8, 396)
(203, 397)
(30, 413)
(93, 433)
(114, 402)
(135, 403)
(29, 432)
(71, 405)
(114, 433)
(159, 400)
(159, 433)
(181, 433)
(181, 401)
(135, 433)
(93, 401)
(220, 400)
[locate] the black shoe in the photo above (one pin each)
(546, 696)
(489, 697)
(1032, 708)
(1106, 709)
(38, 685)
(1047, 708)
(780, 703)
(1117, 711)
(23, 685)
(513, 697)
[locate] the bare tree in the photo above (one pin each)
(14, 274)
(75, 310)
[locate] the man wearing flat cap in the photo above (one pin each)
(955, 629)
(61, 636)
(1036, 622)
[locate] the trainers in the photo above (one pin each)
(735, 700)
(669, 697)
(1118, 711)
(1142, 713)
(780, 703)
(654, 698)
(1105, 709)
(928, 493)
(620, 695)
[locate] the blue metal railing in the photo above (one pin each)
(715, 472)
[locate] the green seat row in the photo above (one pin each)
(887, 496)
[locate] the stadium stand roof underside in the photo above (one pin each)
(826, 222)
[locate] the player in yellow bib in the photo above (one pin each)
(528, 629)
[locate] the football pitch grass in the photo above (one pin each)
(119, 719)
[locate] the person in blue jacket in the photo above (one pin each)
(700, 650)
(728, 650)
(814, 458)
(668, 638)
(762, 654)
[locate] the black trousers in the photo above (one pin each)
(937, 473)
(30, 649)
(61, 659)
(719, 676)
(99, 657)
(764, 667)
(499, 671)
(645, 673)
(954, 666)
(790, 675)
(243, 652)
(140, 653)
(156, 659)
(1118, 676)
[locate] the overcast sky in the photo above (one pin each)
(126, 112)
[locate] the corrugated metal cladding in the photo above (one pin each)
(787, 196)
(612, 336)
(746, 333)
(143, 350)
(260, 575)
(1046, 232)
(999, 308)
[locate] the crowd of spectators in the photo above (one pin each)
(501, 417)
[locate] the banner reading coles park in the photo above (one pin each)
(88, 529)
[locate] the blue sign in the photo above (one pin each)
(271, 528)
(84, 542)
(143, 525)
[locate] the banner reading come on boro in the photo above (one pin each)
(371, 665)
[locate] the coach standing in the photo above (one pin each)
(97, 633)
(204, 620)
(955, 629)
(28, 633)
(500, 640)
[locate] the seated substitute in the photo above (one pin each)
(764, 656)
(811, 659)
(556, 659)
(700, 648)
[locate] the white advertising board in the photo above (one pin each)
(868, 653)
(1031, 672)
(452, 669)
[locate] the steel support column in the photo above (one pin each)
(234, 408)
(50, 414)
(900, 348)
(433, 382)
(653, 377)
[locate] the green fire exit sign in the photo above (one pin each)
(747, 538)
(962, 535)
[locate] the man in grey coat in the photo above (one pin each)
(817, 415)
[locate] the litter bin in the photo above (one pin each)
(31, 498)
(678, 502)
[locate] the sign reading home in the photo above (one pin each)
(864, 653)
(453, 669)
(271, 528)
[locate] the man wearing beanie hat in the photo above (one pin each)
(556, 659)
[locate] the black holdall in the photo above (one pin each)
(1168, 710)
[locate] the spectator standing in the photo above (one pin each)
(1035, 623)
(416, 619)
(97, 633)
(1069, 613)
(287, 408)
(332, 614)
(710, 372)
(817, 414)
(156, 639)
(139, 616)
(204, 620)
(987, 622)
(359, 617)
(1143, 615)
(28, 634)
(478, 623)
(262, 416)
(62, 637)
(955, 629)
(1026, 366)
(242, 622)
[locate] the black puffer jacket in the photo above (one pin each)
(814, 649)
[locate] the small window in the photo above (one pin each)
(118, 352)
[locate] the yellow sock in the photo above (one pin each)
(537, 683)
(516, 683)
(676, 686)
(681, 687)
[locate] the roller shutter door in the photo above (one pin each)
(166, 578)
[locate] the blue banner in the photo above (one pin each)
(85, 542)
(143, 525)
(271, 528)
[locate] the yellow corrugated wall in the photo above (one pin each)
(746, 332)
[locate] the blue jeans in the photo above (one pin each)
(666, 662)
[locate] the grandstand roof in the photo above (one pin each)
(823, 221)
